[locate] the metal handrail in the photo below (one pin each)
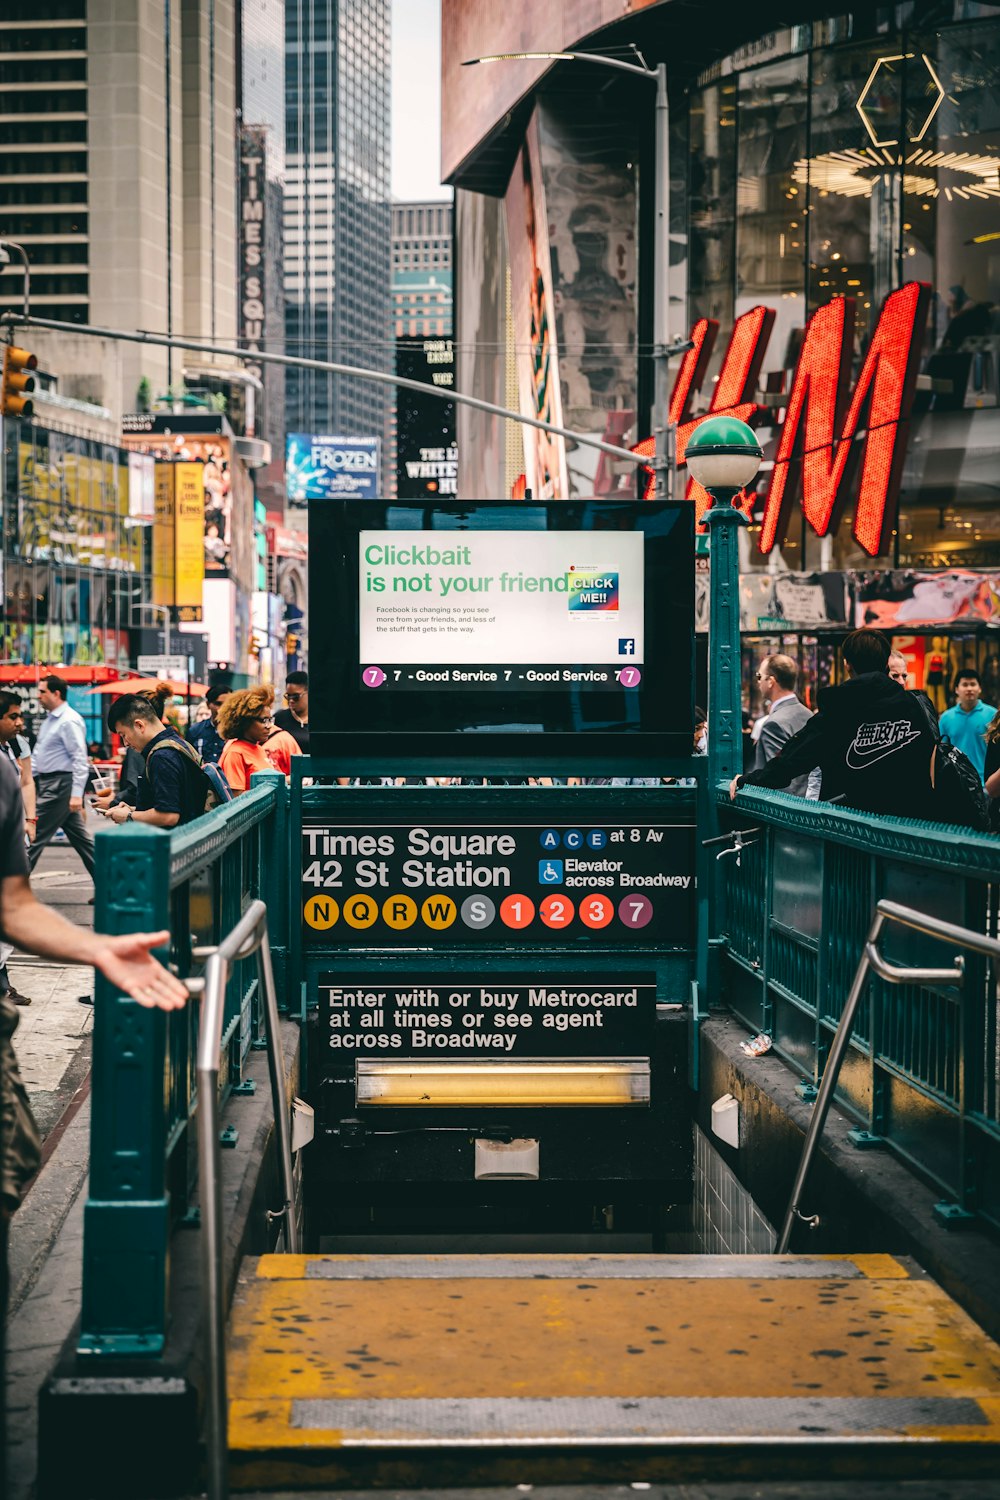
(247, 937)
(871, 958)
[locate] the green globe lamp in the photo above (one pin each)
(723, 455)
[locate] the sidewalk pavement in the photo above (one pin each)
(53, 1045)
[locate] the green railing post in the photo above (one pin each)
(126, 1219)
(725, 700)
(274, 882)
(725, 730)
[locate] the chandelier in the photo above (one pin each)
(926, 174)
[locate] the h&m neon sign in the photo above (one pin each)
(824, 417)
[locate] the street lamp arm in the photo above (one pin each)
(664, 432)
(6, 246)
(294, 361)
(593, 57)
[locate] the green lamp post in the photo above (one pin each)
(723, 455)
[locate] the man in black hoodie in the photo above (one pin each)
(870, 738)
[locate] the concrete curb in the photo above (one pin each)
(39, 1221)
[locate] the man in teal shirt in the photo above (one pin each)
(966, 724)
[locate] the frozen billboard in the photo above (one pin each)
(331, 468)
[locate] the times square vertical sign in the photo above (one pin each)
(253, 223)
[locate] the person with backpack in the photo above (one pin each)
(876, 747)
(174, 788)
(133, 766)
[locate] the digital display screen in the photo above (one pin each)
(477, 611)
(500, 619)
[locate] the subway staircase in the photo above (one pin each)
(392, 1370)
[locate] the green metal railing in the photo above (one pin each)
(198, 882)
(920, 1074)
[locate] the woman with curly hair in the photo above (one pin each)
(246, 724)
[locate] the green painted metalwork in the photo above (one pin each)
(725, 704)
(197, 882)
(725, 744)
(920, 1076)
(127, 1216)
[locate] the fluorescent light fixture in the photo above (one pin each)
(437, 1085)
(470, 62)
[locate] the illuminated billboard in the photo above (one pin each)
(426, 455)
(331, 468)
(204, 439)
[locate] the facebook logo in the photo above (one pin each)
(626, 645)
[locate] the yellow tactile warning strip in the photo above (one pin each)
(401, 1369)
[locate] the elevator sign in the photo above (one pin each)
(529, 884)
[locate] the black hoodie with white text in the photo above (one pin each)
(872, 741)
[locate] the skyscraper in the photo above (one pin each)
(337, 210)
(117, 174)
(421, 269)
(260, 78)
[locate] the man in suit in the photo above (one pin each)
(777, 676)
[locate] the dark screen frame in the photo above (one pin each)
(392, 735)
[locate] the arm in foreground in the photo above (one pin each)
(126, 962)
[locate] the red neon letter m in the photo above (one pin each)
(816, 436)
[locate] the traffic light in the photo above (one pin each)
(17, 381)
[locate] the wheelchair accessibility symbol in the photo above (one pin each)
(550, 871)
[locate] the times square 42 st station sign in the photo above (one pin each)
(824, 417)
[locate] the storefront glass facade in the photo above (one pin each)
(76, 559)
(846, 158)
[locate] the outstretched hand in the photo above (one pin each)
(130, 966)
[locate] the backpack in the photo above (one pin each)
(217, 789)
(959, 794)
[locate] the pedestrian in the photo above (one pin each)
(173, 789)
(127, 962)
(700, 741)
(966, 724)
(246, 723)
(295, 718)
(133, 766)
(870, 739)
(15, 751)
(281, 747)
(777, 677)
(898, 669)
(204, 735)
(61, 768)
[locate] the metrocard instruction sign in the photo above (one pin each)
(460, 1016)
(825, 421)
